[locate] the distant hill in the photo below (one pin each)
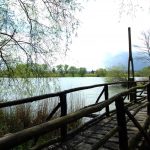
(122, 59)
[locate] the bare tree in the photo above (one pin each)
(144, 48)
(34, 31)
(130, 7)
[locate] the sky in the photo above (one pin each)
(103, 32)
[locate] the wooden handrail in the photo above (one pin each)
(29, 133)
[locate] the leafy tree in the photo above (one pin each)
(66, 68)
(82, 71)
(60, 69)
(145, 72)
(33, 31)
(72, 70)
(53, 70)
(101, 72)
(116, 73)
(26, 70)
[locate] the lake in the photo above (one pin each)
(20, 88)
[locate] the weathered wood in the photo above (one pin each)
(104, 139)
(106, 98)
(130, 59)
(148, 98)
(63, 105)
(17, 138)
(136, 138)
(139, 108)
(96, 132)
(62, 121)
(100, 95)
(92, 115)
(29, 133)
(47, 143)
(121, 119)
(53, 112)
(145, 135)
(133, 93)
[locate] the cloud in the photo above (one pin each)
(103, 34)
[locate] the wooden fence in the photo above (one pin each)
(34, 132)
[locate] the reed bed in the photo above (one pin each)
(23, 116)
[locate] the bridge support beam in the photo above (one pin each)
(63, 103)
(121, 119)
(148, 98)
(106, 98)
(130, 68)
(132, 95)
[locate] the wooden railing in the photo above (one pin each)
(34, 132)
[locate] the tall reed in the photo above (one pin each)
(19, 117)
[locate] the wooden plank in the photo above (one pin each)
(100, 130)
(112, 146)
(136, 123)
(91, 140)
(83, 146)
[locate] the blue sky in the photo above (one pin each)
(103, 32)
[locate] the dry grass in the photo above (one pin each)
(19, 117)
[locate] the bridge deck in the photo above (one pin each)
(98, 136)
(123, 128)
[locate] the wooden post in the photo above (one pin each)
(130, 59)
(106, 98)
(63, 104)
(121, 119)
(130, 64)
(148, 98)
(133, 93)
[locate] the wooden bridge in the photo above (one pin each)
(125, 127)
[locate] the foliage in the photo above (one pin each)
(66, 70)
(116, 73)
(82, 71)
(101, 72)
(60, 69)
(72, 70)
(145, 72)
(43, 70)
(35, 31)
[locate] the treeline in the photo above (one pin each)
(119, 71)
(43, 70)
(66, 70)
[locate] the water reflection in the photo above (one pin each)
(12, 89)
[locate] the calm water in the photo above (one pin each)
(20, 88)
